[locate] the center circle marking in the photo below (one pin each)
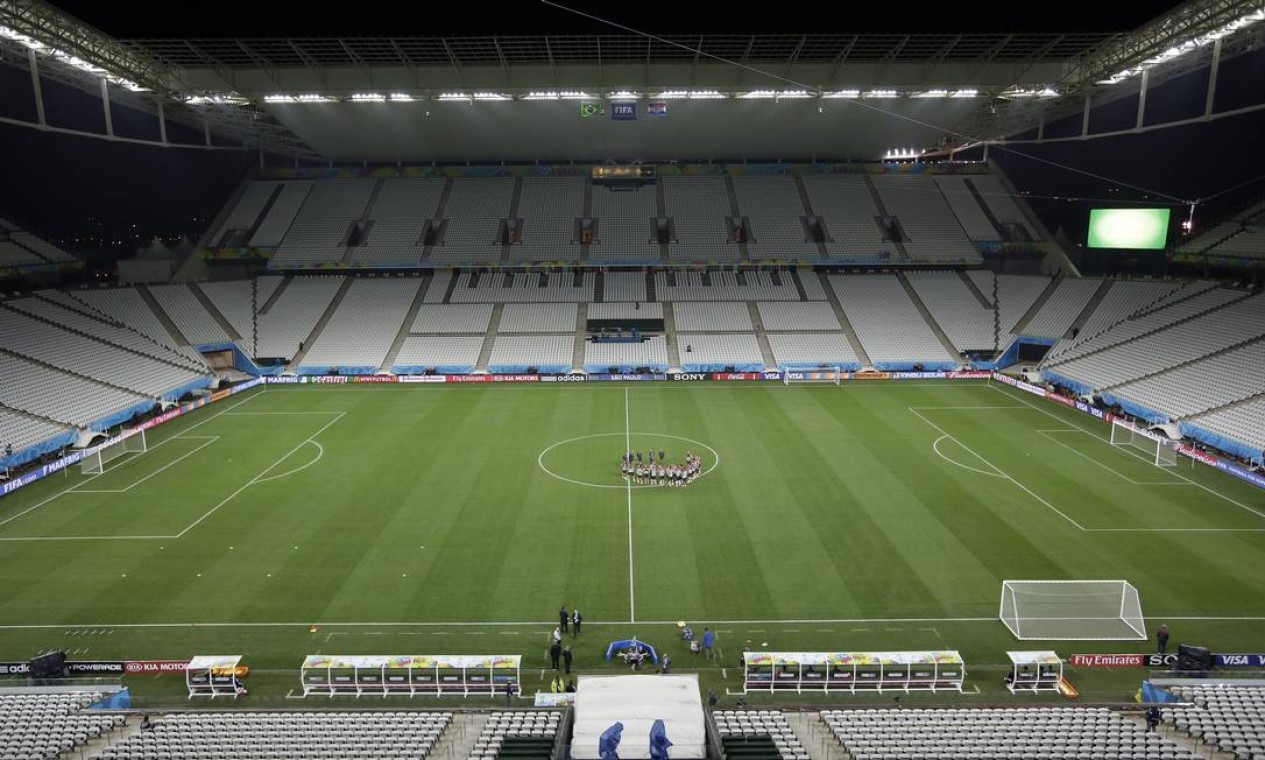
(540, 460)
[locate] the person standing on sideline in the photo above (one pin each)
(554, 652)
(566, 659)
(564, 617)
(709, 641)
(556, 636)
(576, 619)
(1161, 638)
(509, 694)
(1152, 718)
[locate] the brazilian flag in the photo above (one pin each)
(590, 108)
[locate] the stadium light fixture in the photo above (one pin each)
(968, 92)
(557, 95)
(758, 95)
(216, 98)
(932, 94)
(368, 97)
(68, 59)
(842, 94)
(691, 95)
(623, 95)
(491, 96)
(446, 97)
(901, 154)
(1192, 44)
(401, 97)
(880, 94)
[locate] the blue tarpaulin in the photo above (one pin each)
(608, 744)
(659, 742)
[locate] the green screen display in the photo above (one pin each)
(1140, 228)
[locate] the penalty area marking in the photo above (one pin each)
(320, 452)
(936, 448)
(627, 435)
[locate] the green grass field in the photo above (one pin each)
(458, 519)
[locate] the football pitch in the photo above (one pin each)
(430, 520)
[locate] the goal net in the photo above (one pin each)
(1072, 610)
(95, 462)
(811, 375)
(1158, 449)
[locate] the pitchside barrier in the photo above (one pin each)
(1242, 473)
(93, 451)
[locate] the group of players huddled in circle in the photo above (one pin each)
(659, 471)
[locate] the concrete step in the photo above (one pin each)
(489, 340)
(766, 349)
(320, 324)
(459, 738)
(815, 736)
(853, 339)
(407, 325)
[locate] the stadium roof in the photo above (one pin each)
(598, 50)
(305, 96)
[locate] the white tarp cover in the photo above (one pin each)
(637, 701)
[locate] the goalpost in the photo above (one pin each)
(811, 375)
(1072, 610)
(95, 461)
(1157, 448)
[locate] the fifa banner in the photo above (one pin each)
(1239, 660)
(1228, 467)
(74, 457)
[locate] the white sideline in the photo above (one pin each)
(210, 439)
(545, 625)
(265, 471)
(999, 470)
(1107, 467)
(91, 478)
(632, 599)
(1176, 474)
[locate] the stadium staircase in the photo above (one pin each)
(1223, 407)
(661, 210)
(808, 209)
(814, 735)
(1162, 328)
(515, 196)
(437, 221)
(927, 315)
(452, 287)
(177, 337)
(334, 303)
(798, 283)
(366, 218)
(79, 375)
(882, 210)
(985, 301)
(211, 309)
(1036, 306)
(581, 334)
(848, 331)
(984, 207)
(489, 340)
(190, 366)
(599, 286)
(457, 741)
(276, 294)
(406, 326)
(1099, 296)
(31, 415)
(1188, 362)
(1181, 738)
(766, 350)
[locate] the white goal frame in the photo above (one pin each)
(1157, 448)
(94, 462)
(1085, 610)
(812, 375)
